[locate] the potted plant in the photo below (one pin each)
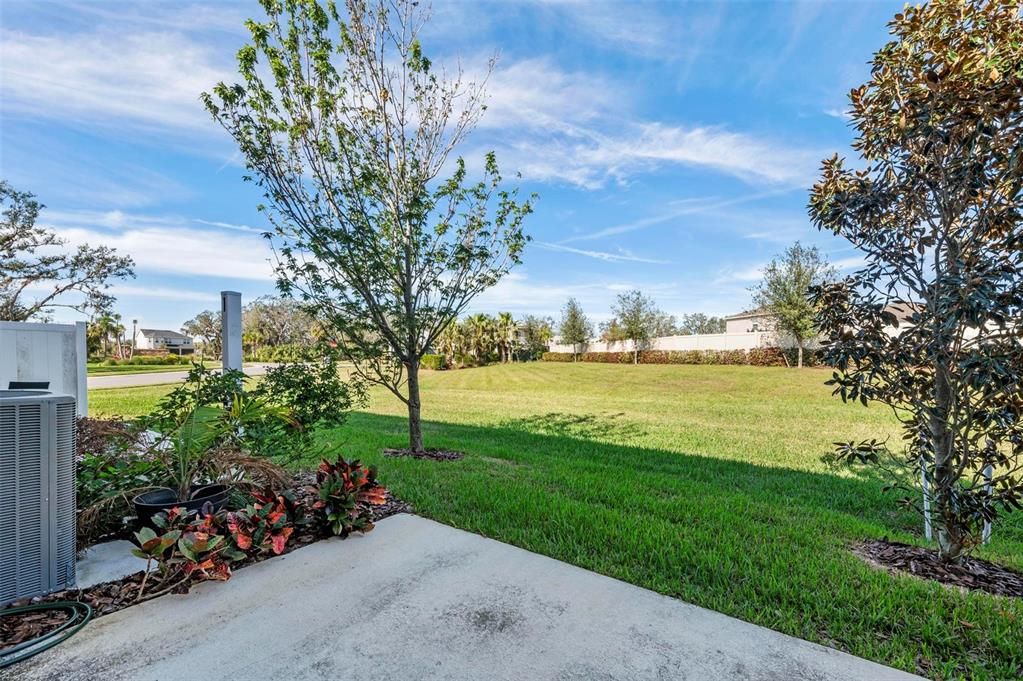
(204, 454)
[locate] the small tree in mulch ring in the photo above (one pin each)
(970, 573)
(434, 454)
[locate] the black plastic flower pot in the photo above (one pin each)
(155, 501)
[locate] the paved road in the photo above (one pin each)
(157, 377)
(414, 599)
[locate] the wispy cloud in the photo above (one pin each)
(843, 114)
(166, 244)
(590, 157)
(163, 293)
(690, 207)
(230, 225)
(147, 80)
(622, 256)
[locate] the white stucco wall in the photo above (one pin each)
(46, 352)
(709, 341)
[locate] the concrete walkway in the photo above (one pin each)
(418, 600)
(158, 377)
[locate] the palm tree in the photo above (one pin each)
(505, 328)
(450, 341)
(109, 326)
(480, 328)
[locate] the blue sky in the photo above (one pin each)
(672, 145)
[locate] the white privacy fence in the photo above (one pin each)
(708, 341)
(55, 353)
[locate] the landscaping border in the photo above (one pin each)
(762, 357)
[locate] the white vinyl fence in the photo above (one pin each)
(709, 341)
(46, 352)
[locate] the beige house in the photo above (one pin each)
(165, 340)
(752, 321)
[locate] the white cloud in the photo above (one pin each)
(162, 293)
(747, 274)
(683, 207)
(588, 158)
(843, 114)
(536, 93)
(167, 244)
(622, 256)
(109, 78)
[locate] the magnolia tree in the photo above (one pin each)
(349, 129)
(935, 208)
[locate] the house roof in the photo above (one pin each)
(163, 333)
(759, 312)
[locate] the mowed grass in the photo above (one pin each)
(703, 483)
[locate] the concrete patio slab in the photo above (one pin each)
(106, 562)
(415, 599)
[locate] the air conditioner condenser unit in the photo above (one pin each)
(37, 493)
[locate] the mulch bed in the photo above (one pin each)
(973, 574)
(110, 597)
(432, 454)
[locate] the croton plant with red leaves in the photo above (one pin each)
(264, 525)
(343, 490)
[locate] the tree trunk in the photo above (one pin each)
(635, 355)
(799, 363)
(951, 537)
(415, 426)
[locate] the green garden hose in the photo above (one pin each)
(78, 615)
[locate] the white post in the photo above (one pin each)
(927, 499)
(986, 533)
(231, 329)
(81, 371)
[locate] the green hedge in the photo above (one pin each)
(763, 357)
(434, 362)
(148, 360)
(556, 357)
(289, 352)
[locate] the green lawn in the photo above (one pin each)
(703, 483)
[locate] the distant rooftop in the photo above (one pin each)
(162, 333)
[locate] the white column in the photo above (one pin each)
(81, 371)
(231, 329)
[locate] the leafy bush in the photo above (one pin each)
(149, 360)
(286, 352)
(314, 394)
(342, 490)
(264, 525)
(105, 484)
(607, 357)
(186, 548)
(753, 357)
(280, 412)
(434, 362)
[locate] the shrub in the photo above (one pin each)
(342, 491)
(186, 547)
(606, 357)
(753, 357)
(264, 525)
(113, 465)
(557, 357)
(434, 362)
(287, 352)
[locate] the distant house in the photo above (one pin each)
(751, 321)
(164, 340)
